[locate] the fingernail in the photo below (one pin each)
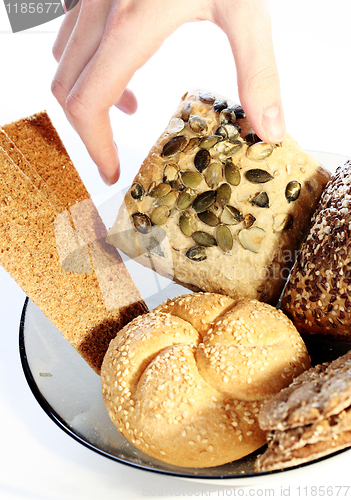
(273, 124)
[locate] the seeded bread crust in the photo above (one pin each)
(265, 239)
(318, 295)
(94, 296)
(185, 382)
(309, 419)
(275, 458)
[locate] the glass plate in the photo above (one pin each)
(69, 391)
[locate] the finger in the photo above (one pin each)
(127, 102)
(65, 31)
(248, 27)
(81, 46)
(131, 38)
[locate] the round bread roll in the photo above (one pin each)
(185, 382)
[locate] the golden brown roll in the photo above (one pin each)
(185, 382)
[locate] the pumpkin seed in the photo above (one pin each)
(186, 224)
(137, 191)
(258, 176)
(204, 201)
(228, 149)
(168, 200)
(219, 105)
(214, 175)
(197, 124)
(160, 215)
(207, 98)
(192, 144)
(155, 248)
(261, 200)
(209, 141)
(177, 184)
(202, 160)
(229, 131)
(224, 193)
(249, 220)
(232, 173)
(209, 218)
(292, 191)
(252, 238)
(170, 173)
(185, 199)
(191, 179)
(227, 116)
(175, 126)
(142, 223)
(151, 187)
(224, 238)
(222, 132)
(282, 222)
(259, 151)
(238, 110)
(174, 145)
(204, 239)
(187, 112)
(252, 138)
(197, 253)
(231, 215)
(160, 190)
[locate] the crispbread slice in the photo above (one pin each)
(19, 159)
(41, 145)
(320, 392)
(73, 302)
(322, 430)
(275, 458)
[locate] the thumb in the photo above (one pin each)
(248, 28)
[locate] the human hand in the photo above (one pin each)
(101, 44)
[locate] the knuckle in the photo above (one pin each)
(58, 91)
(74, 107)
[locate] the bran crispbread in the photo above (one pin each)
(38, 140)
(76, 303)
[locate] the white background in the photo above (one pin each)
(313, 45)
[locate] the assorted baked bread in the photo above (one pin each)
(208, 377)
(43, 201)
(318, 295)
(215, 208)
(185, 382)
(310, 419)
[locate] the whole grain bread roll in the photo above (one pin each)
(318, 294)
(214, 208)
(185, 382)
(309, 419)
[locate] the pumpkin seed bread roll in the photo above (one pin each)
(90, 304)
(216, 209)
(185, 382)
(318, 295)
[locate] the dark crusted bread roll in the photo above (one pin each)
(318, 295)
